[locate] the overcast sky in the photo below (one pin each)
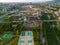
(24, 0)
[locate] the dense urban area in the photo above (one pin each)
(30, 23)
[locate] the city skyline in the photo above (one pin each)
(24, 0)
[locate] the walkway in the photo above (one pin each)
(26, 38)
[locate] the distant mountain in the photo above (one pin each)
(56, 0)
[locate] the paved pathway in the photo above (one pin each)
(27, 39)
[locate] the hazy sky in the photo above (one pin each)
(24, 0)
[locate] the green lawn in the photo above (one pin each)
(14, 42)
(36, 35)
(50, 34)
